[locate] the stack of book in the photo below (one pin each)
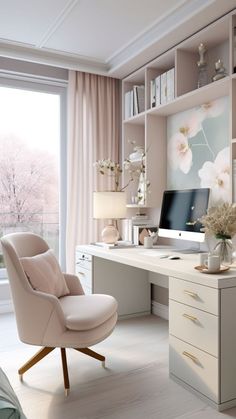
(163, 88)
(134, 101)
(138, 220)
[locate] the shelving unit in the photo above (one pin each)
(135, 206)
(194, 98)
(148, 129)
(138, 119)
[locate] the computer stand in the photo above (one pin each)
(190, 250)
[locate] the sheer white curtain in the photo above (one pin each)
(93, 133)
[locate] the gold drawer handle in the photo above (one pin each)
(192, 357)
(192, 294)
(188, 316)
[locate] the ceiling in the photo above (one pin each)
(111, 37)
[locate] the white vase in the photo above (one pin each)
(142, 189)
(137, 156)
(224, 248)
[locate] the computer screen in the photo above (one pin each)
(180, 214)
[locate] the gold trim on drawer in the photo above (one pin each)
(194, 295)
(191, 293)
(192, 357)
(194, 326)
(194, 367)
(188, 316)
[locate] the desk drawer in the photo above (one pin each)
(83, 260)
(194, 295)
(85, 277)
(195, 368)
(194, 326)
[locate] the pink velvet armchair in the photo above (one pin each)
(74, 321)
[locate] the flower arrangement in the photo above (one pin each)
(135, 169)
(220, 221)
(110, 168)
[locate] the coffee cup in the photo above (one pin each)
(202, 258)
(148, 242)
(212, 263)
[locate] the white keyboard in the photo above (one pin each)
(155, 253)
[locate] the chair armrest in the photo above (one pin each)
(47, 303)
(35, 312)
(73, 283)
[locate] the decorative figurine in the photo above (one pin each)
(220, 71)
(202, 67)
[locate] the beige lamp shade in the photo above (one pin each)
(109, 205)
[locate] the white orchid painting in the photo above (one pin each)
(198, 149)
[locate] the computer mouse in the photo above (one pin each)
(174, 257)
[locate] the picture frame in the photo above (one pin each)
(141, 231)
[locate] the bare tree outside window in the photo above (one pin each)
(29, 156)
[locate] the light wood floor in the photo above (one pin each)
(135, 384)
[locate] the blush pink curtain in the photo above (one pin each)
(93, 134)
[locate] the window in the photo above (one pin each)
(31, 169)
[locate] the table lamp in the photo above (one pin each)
(110, 206)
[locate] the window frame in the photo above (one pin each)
(58, 87)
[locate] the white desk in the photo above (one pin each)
(202, 312)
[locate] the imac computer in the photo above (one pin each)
(180, 214)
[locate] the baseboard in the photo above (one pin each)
(130, 316)
(160, 310)
(6, 306)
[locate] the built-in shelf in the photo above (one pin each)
(136, 206)
(149, 128)
(196, 97)
(138, 119)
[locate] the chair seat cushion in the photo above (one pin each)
(44, 273)
(84, 312)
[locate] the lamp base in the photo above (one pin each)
(110, 234)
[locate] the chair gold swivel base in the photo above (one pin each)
(46, 350)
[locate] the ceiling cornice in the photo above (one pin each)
(159, 30)
(50, 57)
(175, 29)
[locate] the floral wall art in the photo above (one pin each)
(198, 149)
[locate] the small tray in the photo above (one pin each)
(204, 270)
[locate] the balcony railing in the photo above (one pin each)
(44, 224)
